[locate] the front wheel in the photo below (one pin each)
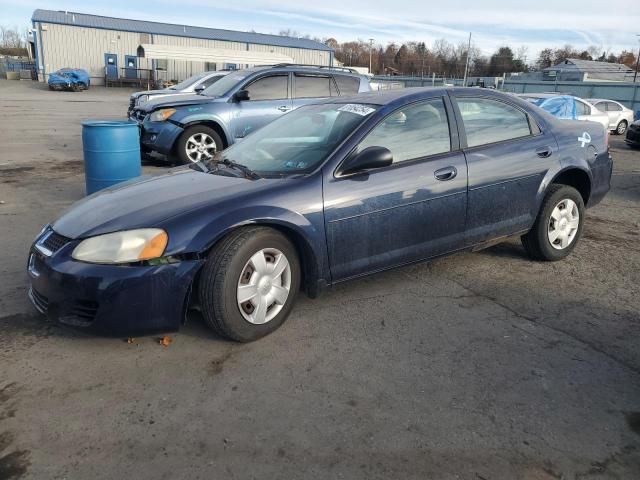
(249, 283)
(558, 226)
(622, 127)
(198, 143)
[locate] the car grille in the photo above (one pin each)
(52, 241)
(40, 301)
(139, 115)
(132, 103)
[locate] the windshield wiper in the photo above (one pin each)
(248, 173)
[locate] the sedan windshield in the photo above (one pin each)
(299, 141)
(222, 86)
(188, 82)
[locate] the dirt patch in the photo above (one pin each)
(14, 464)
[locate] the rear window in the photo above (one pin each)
(489, 121)
(347, 85)
(312, 86)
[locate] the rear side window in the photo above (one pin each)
(308, 86)
(489, 121)
(415, 131)
(582, 108)
(613, 107)
(347, 85)
(269, 88)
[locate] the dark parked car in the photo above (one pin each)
(633, 135)
(195, 127)
(327, 193)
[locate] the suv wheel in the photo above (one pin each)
(198, 143)
(558, 226)
(249, 283)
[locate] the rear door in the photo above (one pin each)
(507, 157)
(613, 112)
(269, 98)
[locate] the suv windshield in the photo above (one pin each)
(299, 141)
(226, 83)
(188, 82)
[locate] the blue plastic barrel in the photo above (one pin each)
(111, 153)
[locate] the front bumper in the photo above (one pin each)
(159, 136)
(633, 136)
(114, 300)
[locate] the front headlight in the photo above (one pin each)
(162, 115)
(122, 247)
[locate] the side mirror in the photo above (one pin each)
(199, 89)
(368, 159)
(241, 95)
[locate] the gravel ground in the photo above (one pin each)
(477, 366)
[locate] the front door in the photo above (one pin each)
(412, 210)
(507, 156)
(131, 69)
(111, 66)
(268, 99)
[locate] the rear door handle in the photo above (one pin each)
(544, 152)
(284, 108)
(446, 173)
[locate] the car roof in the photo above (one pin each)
(286, 67)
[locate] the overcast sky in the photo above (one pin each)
(610, 25)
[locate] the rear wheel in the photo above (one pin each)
(198, 143)
(249, 283)
(558, 226)
(622, 127)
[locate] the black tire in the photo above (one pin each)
(621, 128)
(536, 242)
(181, 144)
(218, 284)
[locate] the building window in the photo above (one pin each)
(210, 66)
(161, 64)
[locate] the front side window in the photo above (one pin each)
(308, 86)
(414, 131)
(489, 121)
(269, 88)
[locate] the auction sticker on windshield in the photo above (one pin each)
(362, 110)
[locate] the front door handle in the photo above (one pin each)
(284, 108)
(446, 173)
(544, 152)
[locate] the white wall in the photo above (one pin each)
(80, 47)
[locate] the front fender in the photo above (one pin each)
(196, 114)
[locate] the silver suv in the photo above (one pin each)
(195, 127)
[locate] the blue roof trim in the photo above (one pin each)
(156, 28)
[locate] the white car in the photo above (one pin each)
(567, 107)
(620, 117)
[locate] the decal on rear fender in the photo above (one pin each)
(584, 139)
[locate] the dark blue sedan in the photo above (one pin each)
(327, 193)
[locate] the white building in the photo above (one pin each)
(109, 47)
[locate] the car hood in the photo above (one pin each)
(153, 92)
(147, 201)
(172, 101)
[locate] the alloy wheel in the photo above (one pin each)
(200, 146)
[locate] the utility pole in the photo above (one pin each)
(466, 67)
(424, 51)
(635, 75)
(370, 50)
